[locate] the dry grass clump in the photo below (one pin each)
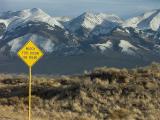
(104, 94)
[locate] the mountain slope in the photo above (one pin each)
(34, 22)
(88, 21)
(35, 14)
(148, 20)
(90, 34)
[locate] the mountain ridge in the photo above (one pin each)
(147, 20)
(90, 32)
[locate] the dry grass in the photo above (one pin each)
(104, 94)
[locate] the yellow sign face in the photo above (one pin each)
(30, 53)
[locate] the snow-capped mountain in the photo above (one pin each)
(35, 24)
(101, 33)
(20, 18)
(148, 20)
(88, 22)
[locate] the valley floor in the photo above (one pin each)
(104, 94)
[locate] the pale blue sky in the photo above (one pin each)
(123, 8)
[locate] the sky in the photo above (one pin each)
(122, 8)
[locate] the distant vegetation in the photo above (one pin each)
(104, 94)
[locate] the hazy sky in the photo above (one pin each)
(123, 8)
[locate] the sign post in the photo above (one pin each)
(30, 54)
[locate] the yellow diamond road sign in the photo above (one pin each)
(30, 53)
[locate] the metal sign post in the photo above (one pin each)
(30, 54)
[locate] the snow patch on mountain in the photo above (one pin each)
(103, 46)
(127, 47)
(155, 23)
(63, 19)
(46, 44)
(15, 45)
(5, 22)
(1, 37)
